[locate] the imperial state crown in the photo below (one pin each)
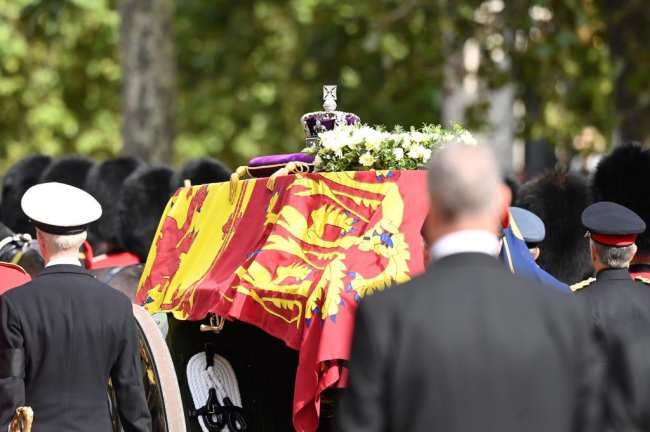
(321, 121)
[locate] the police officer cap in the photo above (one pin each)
(58, 208)
(529, 224)
(612, 224)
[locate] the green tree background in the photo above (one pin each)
(247, 70)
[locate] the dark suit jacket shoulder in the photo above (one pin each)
(74, 333)
(461, 348)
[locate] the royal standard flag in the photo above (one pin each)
(293, 257)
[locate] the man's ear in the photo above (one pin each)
(431, 222)
(41, 243)
(535, 253)
(592, 249)
(506, 195)
(503, 198)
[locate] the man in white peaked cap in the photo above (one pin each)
(64, 334)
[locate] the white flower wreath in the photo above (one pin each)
(362, 147)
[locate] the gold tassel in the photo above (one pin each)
(290, 168)
(234, 179)
(301, 167)
(270, 184)
(22, 421)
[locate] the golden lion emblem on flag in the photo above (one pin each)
(293, 259)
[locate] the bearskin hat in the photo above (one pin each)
(558, 199)
(201, 171)
(21, 176)
(105, 181)
(5, 231)
(144, 196)
(71, 170)
(623, 177)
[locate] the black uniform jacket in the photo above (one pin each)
(62, 336)
(620, 308)
(470, 347)
(617, 302)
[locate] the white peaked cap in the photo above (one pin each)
(58, 208)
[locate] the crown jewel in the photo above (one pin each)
(321, 121)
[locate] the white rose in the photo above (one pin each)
(325, 140)
(419, 152)
(367, 160)
(418, 137)
(406, 142)
(374, 140)
(398, 152)
(467, 139)
(365, 131)
(355, 137)
(414, 152)
(318, 161)
(335, 144)
(341, 138)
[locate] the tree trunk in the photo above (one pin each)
(627, 33)
(501, 120)
(149, 79)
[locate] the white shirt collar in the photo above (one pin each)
(64, 260)
(465, 241)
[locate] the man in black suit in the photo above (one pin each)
(468, 346)
(64, 334)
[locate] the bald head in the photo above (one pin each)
(464, 181)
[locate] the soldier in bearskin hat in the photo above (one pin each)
(144, 196)
(201, 171)
(559, 199)
(21, 176)
(70, 170)
(623, 177)
(105, 182)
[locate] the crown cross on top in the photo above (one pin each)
(329, 97)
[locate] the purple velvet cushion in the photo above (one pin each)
(264, 166)
(280, 159)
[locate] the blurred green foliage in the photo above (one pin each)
(59, 78)
(248, 69)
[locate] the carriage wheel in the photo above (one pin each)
(161, 384)
(159, 378)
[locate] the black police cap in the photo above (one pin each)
(612, 224)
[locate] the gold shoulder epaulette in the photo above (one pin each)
(642, 279)
(580, 285)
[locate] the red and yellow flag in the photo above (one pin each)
(294, 260)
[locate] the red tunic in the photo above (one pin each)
(11, 276)
(640, 271)
(119, 259)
